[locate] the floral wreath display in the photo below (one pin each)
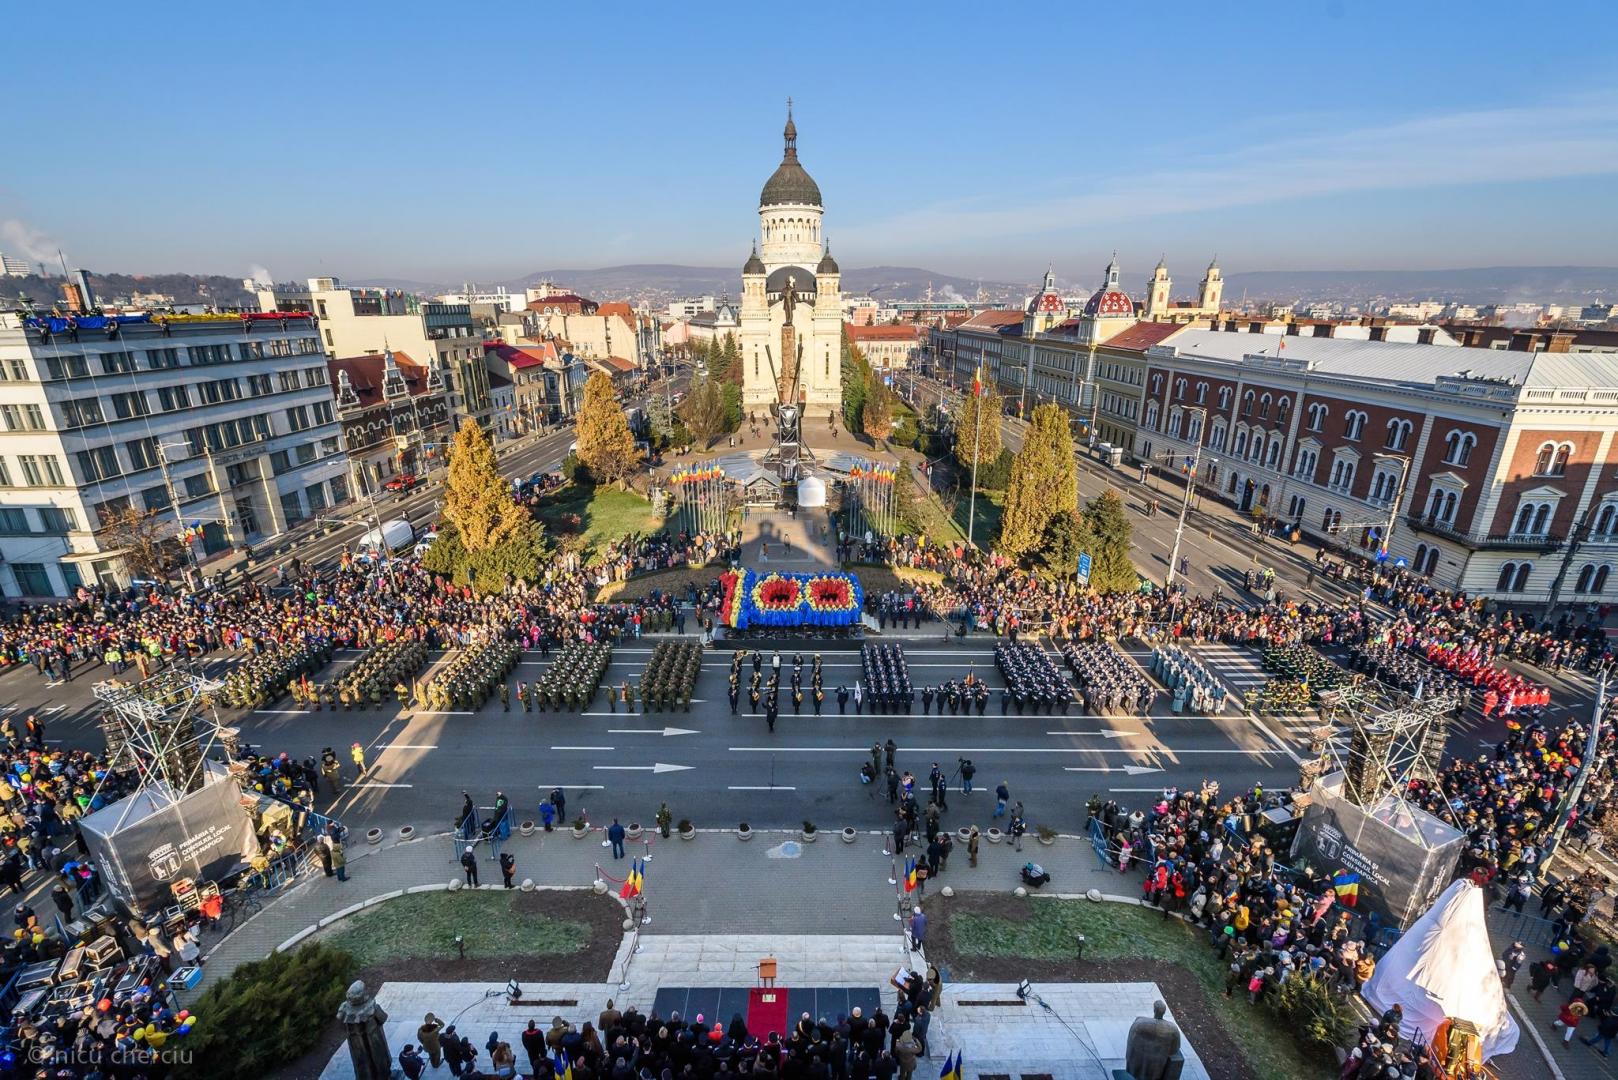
(752, 599)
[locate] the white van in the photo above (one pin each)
(395, 535)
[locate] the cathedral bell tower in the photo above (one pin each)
(1157, 293)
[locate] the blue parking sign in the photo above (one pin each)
(1084, 567)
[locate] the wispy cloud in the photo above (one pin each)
(1514, 145)
(17, 237)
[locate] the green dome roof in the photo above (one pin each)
(790, 183)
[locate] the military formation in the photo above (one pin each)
(671, 675)
(958, 696)
(1032, 680)
(469, 680)
(766, 693)
(1109, 682)
(259, 681)
(1190, 683)
(366, 682)
(887, 678)
(572, 680)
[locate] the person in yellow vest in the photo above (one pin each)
(357, 752)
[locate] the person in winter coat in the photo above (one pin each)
(411, 1061)
(906, 1050)
(427, 1036)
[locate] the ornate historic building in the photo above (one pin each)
(791, 318)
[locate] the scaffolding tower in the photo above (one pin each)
(164, 728)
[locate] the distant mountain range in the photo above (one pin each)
(655, 283)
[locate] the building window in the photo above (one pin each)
(1247, 403)
(130, 404)
(1342, 474)
(98, 464)
(1514, 577)
(1398, 434)
(155, 499)
(1179, 390)
(66, 367)
(170, 398)
(1383, 487)
(1606, 520)
(198, 484)
(118, 363)
(1458, 447)
(204, 355)
(1533, 519)
(142, 453)
(32, 580)
(292, 506)
(288, 380)
(1224, 397)
(315, 376)
(57, 519)
(1202, 393)
(1264, 407)
(250, 350)
(298, 418)
(81, 412)
(1353, 424)
(1317, 416)
(1593, 578)
(13, 521)
(1552, 459)
(1308, 460)
(5, 474)
(162, 359)
(1441, 506)
(1282, 409)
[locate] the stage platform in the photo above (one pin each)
(787, 639)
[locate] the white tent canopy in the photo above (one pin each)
(1443, 966)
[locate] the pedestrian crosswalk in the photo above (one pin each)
(1238, 668)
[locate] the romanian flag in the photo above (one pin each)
(960, 1060)
(634, 882)
(948, 1071)
(910, 875)
(564, 1065)
(1347, 886)
(977, 385)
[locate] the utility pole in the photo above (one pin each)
(1567, 562)
(1185, 505)
(1585, 767)
(174, 500)
(1398, 500)
(977, 441)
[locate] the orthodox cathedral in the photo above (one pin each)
(791, 316)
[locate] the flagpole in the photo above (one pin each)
(977, 441)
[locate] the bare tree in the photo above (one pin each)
(147, 546)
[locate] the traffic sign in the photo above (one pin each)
(1381, 554)
(1401, 562)
(1084, 567)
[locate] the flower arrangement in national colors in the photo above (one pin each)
(752, 598)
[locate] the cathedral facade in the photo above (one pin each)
(791, 312)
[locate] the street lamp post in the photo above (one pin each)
(1185, 503)
(174, 499)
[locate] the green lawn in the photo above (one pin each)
(1124, 932)
(423, 926)
(988, 514)
(606, 512)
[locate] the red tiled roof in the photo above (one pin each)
(522, 356)
(621, 364)
(902, 332)
(365, 375)
(1143, 335)
(617, 308)
(992, 320)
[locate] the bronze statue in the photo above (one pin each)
(1152, 1042)
(362, 1019)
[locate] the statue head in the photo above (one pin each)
(1158, 1009)
(356, 992)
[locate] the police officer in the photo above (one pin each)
(842, 700)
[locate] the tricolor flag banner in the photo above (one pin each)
(977, 385)
(960, 1060)
(949, 1068)
(910, 875)
(1347, 886)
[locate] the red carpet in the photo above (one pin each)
(767, 1011)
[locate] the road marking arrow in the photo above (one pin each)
(660, 767)
(1132, 770)
(665, 732)
(1109, 733)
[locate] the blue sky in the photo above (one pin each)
(407, 140)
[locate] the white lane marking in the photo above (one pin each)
(1132, 770)
(279, 712)
(574, 787)
(759, 787)
(375, 784)
(665, 732)
(583, 748)
(1108, 734)
(1167, 752)
(408, 746)
(660, 767)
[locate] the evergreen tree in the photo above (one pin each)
(1042, 479)
(856, 373)
(703, 411)
(1110, 567)
(876, 417)
(487, 537)
(971, 444)
(606, 445)
(1066, 538)
(732, 355)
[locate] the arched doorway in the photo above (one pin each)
(1247, 496)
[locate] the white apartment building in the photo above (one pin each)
(691, 305)
(11, 266)
(222, 420)
(357, 322)
(497, 298)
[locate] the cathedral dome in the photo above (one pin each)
(790, 183)
(1106, 303)
(754, 264)
(803, 282)
(828, 265)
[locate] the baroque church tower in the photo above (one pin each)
(791, 319)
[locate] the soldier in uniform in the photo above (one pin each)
(505, 696)
(820, 698)
(797, 700)
(926, 700)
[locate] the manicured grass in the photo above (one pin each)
(423, 926)
(1124, 932)
(989, 505)
(606, 512)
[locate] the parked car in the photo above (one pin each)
(395, 535)
(403, 482)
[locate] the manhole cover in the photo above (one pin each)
(787, 849)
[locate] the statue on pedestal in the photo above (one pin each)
(1152, 1042)
(362, 1019)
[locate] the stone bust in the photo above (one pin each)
(362, 1020)
(1152, 1042)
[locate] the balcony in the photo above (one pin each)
(1543, 544)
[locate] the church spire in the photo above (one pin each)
(789, 135)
